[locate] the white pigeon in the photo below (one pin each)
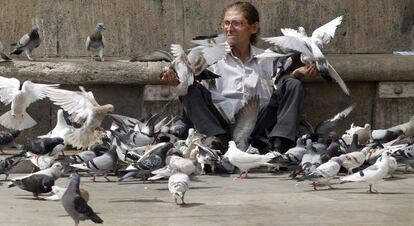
(310, 47)
(20, 96)
(324, 173)
(363, 134)
(83, 109)
(101, 164)
(373, 173)
(245, 161)
(352, 160)
(174, 164)
(61, 129)
(95, 43)
(46, 160)
(178, 184)
(57, 193)
(198, 59)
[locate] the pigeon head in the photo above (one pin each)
(35, 28)
(100, 26)
(74, 181)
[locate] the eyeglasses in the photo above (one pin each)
(236, 23)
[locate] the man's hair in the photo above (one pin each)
(249, 12)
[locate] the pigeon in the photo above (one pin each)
(95, 42)
(311, 159)
(42, 146)
(393, 166)
(61, 129)
(324, 173)
(7, 163)
(174, 164)
(187, 67)
(353, 160)
(373, 173)
(211, 39)
(124, 154)
(20, 96)
(44, 161)
(35, 183)
(75, 205)
(310, 48)
(27, 43)
(3, 55)
(153, 55)
(206, 155)
(84, 156)
(245, 120)
(7, 138)
(152, 160)
(54, 171)
(245, 161)
(405, 156)
(57, 194)
(178, 184)
(363, 134)
(381, 136)
(101, 164)
(84, 109)
(324, 127)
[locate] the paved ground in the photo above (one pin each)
(264, 199)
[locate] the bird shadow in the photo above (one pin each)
(395, 178)
(192, 188)
(381, 193)
(189, 205)
(137, 200)
(329, 189)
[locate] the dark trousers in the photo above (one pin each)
(278, 119)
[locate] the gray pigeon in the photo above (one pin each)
(36, 183)
(101, 164)
(3, 55)
(75, 205)
(27, 43)
(42, 146)
(7, 163)
(95, 42)
(7, 138)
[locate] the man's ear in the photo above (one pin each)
(255, 27)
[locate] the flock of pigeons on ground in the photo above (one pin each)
(160, 146)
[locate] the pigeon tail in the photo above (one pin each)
(95, 218)
(20, 122)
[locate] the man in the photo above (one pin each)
(210, 108)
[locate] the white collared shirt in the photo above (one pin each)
(239, 81)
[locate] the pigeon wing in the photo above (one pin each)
(8, 89)
(326, 32)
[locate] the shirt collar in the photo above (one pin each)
(253, 52)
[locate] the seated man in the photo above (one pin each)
(210, 108)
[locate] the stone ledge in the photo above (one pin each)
(74, 71)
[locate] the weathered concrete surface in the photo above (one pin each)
(265, 199)
(134, 26)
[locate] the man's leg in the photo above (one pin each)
(276, 124)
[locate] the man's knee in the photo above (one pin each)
(294, 85)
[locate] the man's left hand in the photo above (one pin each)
(309, 71)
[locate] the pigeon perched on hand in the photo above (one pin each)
(178, 184)
(310, 48)
(27, 43)
(75, 205)
(95, 42)
(245, 161)
(35, 183)
(3, 55)
(20, 96)
(84, 109)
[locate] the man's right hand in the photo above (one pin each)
(170, 78)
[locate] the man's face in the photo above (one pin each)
(237, 29)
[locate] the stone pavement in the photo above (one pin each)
(263, 199)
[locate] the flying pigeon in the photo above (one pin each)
(245, 161)
(75, 205)
(3, 55)
(309, 47)
(95, 42)
(188, 67)
(84, 109)
(27, 43)
(178, 184)
(373, 173)
(20, 96)
(245, 120)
